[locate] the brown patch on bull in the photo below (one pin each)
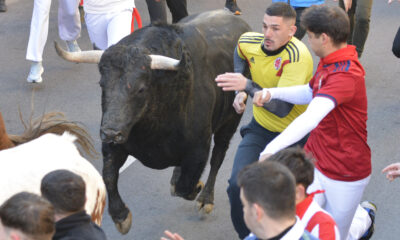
(98, 210)
(128, 85)
(5, 141)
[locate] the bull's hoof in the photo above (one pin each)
(192, 195)
(197, 190)
(173, 191)
(124, 226)
(207, 208)
(199, 187)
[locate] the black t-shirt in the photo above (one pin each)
(78, 226)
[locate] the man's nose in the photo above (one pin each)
(267, 33)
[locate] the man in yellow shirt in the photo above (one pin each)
(275, 59)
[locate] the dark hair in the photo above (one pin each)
(298, 162)
(29, 213)
(281, 9)
(272, 186)
(65, 190)
(332, 21)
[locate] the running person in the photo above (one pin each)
(275, 59)
(336, 116)
(108, 21)
(69, 28)
(316, 220)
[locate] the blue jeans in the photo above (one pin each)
(255, 138)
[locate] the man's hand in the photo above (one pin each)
(231, 81)
(347, 4)
(171, 236)
(261, 97)
(240, 102)
(390, 1)
(264, 157)
(392, 171)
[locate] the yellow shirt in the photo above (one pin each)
(291, 66)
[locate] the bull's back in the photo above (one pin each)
(211, 37)
(218, 25)
(218, 29)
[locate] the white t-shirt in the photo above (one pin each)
(107, 6)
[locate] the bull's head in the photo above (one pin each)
(125, 81)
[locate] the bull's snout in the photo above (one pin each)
(110, 135)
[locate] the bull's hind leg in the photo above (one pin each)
(114, 156)
(187, 176)
(222, 138)
(174, 180)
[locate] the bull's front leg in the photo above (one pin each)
(114, 156)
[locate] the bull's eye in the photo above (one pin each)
(141, 90)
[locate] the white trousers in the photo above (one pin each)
(69, 25)
(108, 28)
(341, 199)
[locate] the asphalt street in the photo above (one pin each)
(73, 89)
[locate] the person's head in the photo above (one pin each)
(65, 190)
(300, 164)
(278, 25)
(327, 27)
(267, 192)
(26, 216)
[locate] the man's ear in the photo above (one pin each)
(300, 193)
(259, 212)
(293, 30)
(325, 38)
(15, 236)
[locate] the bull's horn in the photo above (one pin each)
(163, 63)
(92, 56)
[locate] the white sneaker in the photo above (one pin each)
(73, 46)
(35, 74)
(371, 209)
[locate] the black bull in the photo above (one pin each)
(167, 117)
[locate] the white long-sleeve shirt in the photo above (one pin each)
(317, 109)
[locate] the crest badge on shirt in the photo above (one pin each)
(278, 63)
(320, 82)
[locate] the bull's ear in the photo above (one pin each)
(185, 60)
